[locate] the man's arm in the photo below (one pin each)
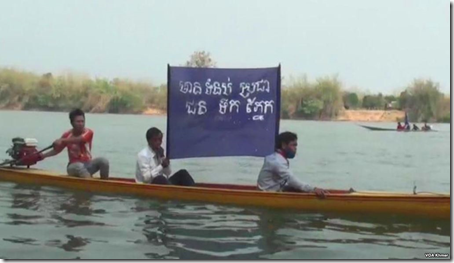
(165, 162)
(149, 171)
(58, 147)
(73, 140)
(87, 136)
(51, 153)
(284, 173)
(167, 171)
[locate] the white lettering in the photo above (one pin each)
(197, 88)
(258, 118)
(235, 103)
(268, 104)
(208, 87)
(202, 107)
(262, 107)
(227, 87)
(263, 85)
(217, 88)
(198, 108)
(244, 90)
(258, 104)
(250, 102)
(248, 89)
(190, 107)
(223, 106)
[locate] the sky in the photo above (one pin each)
(374, 46)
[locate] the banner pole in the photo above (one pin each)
(168, 153)
(278, 100)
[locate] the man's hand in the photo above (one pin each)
(165, 162)
(320, 192)
(161, 152)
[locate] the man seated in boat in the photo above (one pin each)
(407, 126)
(400, 127)
(78, 140)
(276, 175)
(153, 167)
(415, 128)
(426, 127)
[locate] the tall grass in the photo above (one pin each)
(300, 98)
(28, 91)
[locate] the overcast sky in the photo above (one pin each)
(380, 46)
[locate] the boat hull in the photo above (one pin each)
(371, 128)
(425, 205)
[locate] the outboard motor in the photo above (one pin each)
(22, 148)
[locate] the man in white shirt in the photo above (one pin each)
(153, 167)
(276, 175)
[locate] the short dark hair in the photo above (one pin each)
(285, 137)
(153, 132)
(74, 113)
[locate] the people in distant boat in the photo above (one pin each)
(408, 127)
(400, 127)
(426, 127)
(276, 175)
(415, 128)
(153, 167)
(78, 141)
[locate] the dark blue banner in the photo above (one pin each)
(222, 112)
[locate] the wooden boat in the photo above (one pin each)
(422, 204)
(388, 129)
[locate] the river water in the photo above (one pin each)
(41, 222)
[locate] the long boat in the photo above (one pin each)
(431, 205)
(389, 129)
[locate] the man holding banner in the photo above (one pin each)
(154, 168)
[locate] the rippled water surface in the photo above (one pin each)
(42, 222)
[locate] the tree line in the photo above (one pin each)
(322, 99)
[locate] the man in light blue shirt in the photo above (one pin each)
(276, 174)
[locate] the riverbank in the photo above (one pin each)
(371, 115)
(344, 115)
(154, 111)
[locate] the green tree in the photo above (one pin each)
(329, 91)
(390, 98)
(422, 100)
(374, 102)
(310, 108)
(292, 95)
(351, 100)
(201, 59)
(403, 99)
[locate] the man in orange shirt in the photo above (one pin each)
(78, 140)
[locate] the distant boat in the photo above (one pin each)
(389, 129)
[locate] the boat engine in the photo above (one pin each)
(22, 148)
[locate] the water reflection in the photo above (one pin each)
(81, 222)
(198, 231)
(75, 210)
(25, 197)
(54, 207)
(301, 233)
(73, 244)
